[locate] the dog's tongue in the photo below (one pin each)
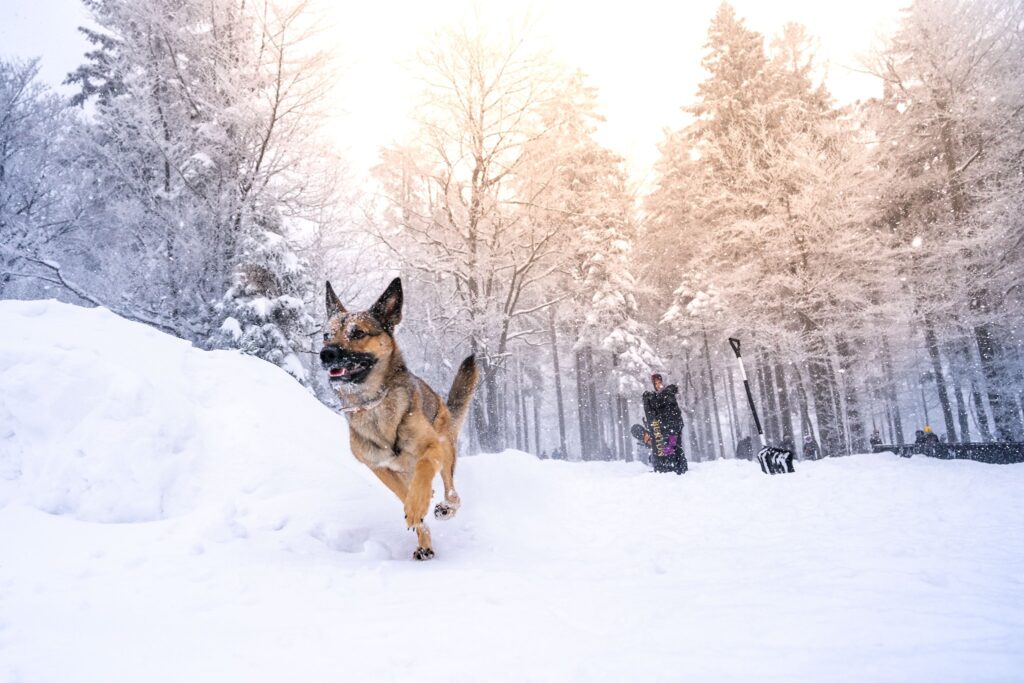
(338, 372)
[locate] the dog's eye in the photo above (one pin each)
(326, 336)
(356, 334)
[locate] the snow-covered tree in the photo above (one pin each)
(753, 190)
(950, 188)
(452, 203)
(205, 132)
(40, 191)
(261, 314)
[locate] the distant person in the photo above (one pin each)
(920, 446)
(811, 450)
(787, 444)
(875, 440)
(544, 454)
(931, 441)
(664, 420)
(745, 449)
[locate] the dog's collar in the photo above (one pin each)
(366, 405)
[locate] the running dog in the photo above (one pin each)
(398, 426)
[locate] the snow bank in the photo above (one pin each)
(251, 547)
(107, 420)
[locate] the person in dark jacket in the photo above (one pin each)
(811, 450)
(661, 411)
(875, 440)
(930, 441)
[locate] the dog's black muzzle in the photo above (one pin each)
(343, 365)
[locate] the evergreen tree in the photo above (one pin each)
(203, 137)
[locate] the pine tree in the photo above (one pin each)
(261, 314)
(203, 139)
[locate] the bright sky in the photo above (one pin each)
(643, 55)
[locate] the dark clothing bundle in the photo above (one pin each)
(811, 450)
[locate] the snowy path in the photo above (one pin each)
(197, 517)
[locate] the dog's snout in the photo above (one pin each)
(330, 354)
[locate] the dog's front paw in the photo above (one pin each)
(415, 510)
(413, 518)
(444, 511)
(423, 554)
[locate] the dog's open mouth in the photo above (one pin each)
(346, 366)
(354, 372)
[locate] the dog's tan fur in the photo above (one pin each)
(398, 426)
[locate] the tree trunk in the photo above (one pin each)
(818, 369)
(762, 391)
(738, 426)
(524, 416)
(625, 441)
(489, 421)
(961, 412)
(854, 410)
(714, 398)
(583, 407)
(589, 409)
(536, 420)
(1005, 416)
(891, 435)
(981, 416)
(924, 404)
(805, 417)
(932, 342)
(730, 414)
(784, 408)
(558, 379)
(517, 395)
(837, 406)
(610, 452)
(890, 389)
(595, 406)
(771, 396)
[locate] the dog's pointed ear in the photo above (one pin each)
(334, 304)
(388, 308)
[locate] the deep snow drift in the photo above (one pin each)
(168, 514)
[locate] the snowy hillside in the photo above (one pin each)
(168, 514)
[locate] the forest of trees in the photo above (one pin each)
(868, 255)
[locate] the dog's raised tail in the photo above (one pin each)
(461, 392)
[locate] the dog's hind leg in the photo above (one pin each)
(446, 509)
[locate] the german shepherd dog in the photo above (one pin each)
(398, 426)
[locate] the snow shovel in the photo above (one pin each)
(773, 460)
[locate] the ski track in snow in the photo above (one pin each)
(169, 514)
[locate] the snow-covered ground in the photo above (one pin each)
(168, 514)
